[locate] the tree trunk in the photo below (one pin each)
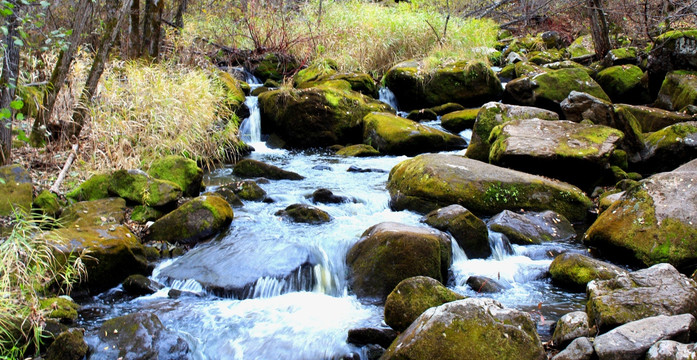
(116, 16)
(181, 9)
(60, 73)
(152, 21)
(134, 30)
(599, 28)
(8, 84)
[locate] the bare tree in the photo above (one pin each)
(152, 27)
(599, 29)
(8, 83)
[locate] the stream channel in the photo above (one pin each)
(307, 313)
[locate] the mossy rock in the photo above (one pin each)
(621, 56)
(94, 188)
(16, 189)
(568, 64)
(229, 196)
(466, 83)
(428, 182)
(624, 84)
(581, 48)
(102, 212)
(469, 231)
(234, 91)
(138, 187)
(411, 297)
(652, 223)
(494, 114)
(360, 82)
(275, 67)
(247, 190)
(47, 203)
(388, 253)
(446, 108)
(255, 168)
(508, 72)
(194, 221)
(68, 345)
(483, 284)
(359, 150)
(181, 171)
(678, 91)
(114, 253)
(668, 148)
(65, 310)
(545, 57)
(317, 116)
(139, 335)
(548, 89)
(673, 50)
(532, 227)
(652, 119)
(301, 213)
(474, 328)
(143, 214)
(422, 115)
(139, 285)
(525, 68)
(573, 271)
(315, 71)
(260, 90)
(458, 121)
(391, 134)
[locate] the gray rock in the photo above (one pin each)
(255, 168)
(16, 189)
(367, 336)
(302, 213)
(140, 285)
(483, 284)
(571, 326)
(658, 290)
(469, 231)
(532, 227)
(672, 350)
(631, 341)
(579, 349)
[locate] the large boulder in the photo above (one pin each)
(673, 50)
(631, 341)
(672, 350)
(581, 48)
(653, 222)
(302, 213)
(679, 89)
(668, 148)
(47, 203)
(388, 253)
(575, 271)
(469, 231)
(494, 114)
(652, 119)
(16, 189)
(658, 290)
(428, 182)
(318, 116)
(139, 187)
(465, 83)
(548, 89)
(475, 328)
(179, 170)
(391, 134)
(532, 227)
(139, 335)
(569, 327)
(195, 220)
(69, 345)
(96, 187)
(565, 150)
(256, 168)
(460, 120)
(360, 82)
(623, 84)
(94, 213)
(411, 297)
(358, 150)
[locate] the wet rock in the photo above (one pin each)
(483, 284)
(360, 150)
(564, 150)
(579, 349)
(668, 148)
(672, 350)
(658, 290)
(571, 326)
(16, 189)
(632, 340)
(330, 115)
(313, 72)
(411, 297)
(354, 168)
(143, 214)
(492, 115)
(100, 212)
(548, 90)
(367, 336)
(139, 187)
(302, 213)
(574, 271)
(458, 121)
(326, 196)
(532, 227)
(47, 203)
(391, 134)
(624, 84)
(139, 285)
(422, 115)
(359, 82)
(475, 328)
(94, 188)
(431, 181)
(469, 231)
(322, 167)
(62, 309)
(194, 221)
(673, 50)
(254, 168)
(464, 83)
(181, 171)
(388, 253)
(69, 345)
(653, 222)
(652, 119)
(447, 108)
(138, 336)
(246, 190)
(678, 90)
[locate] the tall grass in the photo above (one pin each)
(27, 268)
(145, 111)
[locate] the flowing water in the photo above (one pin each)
(298, 305)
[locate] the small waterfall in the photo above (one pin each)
(250, 128)
(500, 247)
(458, 253)
(388, 97)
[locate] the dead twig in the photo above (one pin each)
(66, 167)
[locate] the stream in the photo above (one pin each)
(307, 314)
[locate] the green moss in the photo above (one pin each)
(459, 120)
(143, 214)
(411, 297)
(60, 308)
(48, 203)
(360, 150)
(592, 135)
(623, 83)
(556, 85)
(194, 221)
(301, 213)
(179, 170)
(315, 71)
(671, 134)
(582, 46)
(140, 188)
(391, 134)
(676, 34)
(234, 92)
(16, 189)
(679, 90)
